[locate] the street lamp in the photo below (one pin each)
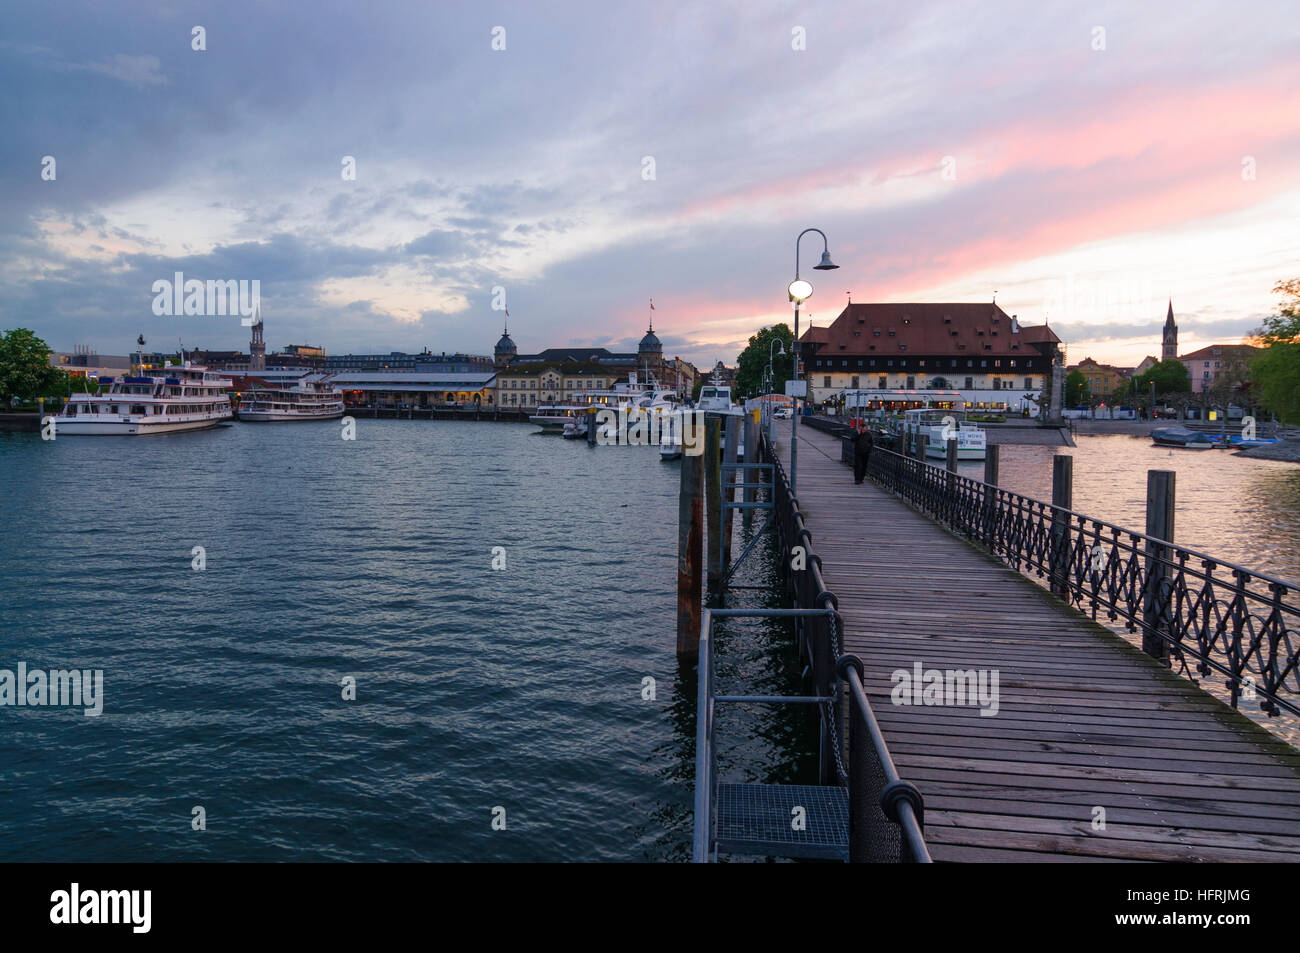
(800, 291)
(771, 373)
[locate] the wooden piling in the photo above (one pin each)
(713, 492)
(751, 456)
(991, 465)
(690, 555)
(1160, 525)
(729, 477)
(1062, 496)
(951, 449)
(922, 446)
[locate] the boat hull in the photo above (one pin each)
(260, 416)
(75, 427)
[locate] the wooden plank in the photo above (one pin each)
(1084, 718)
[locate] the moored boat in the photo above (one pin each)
(1181, 437)
(188, 397)
(312, 398)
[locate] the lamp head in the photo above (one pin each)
(800, 291)
(826, 264)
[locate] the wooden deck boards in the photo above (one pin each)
(1084, 720)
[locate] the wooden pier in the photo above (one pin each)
(1087, 723)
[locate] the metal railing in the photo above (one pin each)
(1207, 615)
(886, 813)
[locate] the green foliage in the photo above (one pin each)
(25, 371)
(1275, 371)
(1169, 376)
(1076, 389)
(751, 366)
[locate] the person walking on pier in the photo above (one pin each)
(862, 445)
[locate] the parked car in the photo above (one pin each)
(782, 413)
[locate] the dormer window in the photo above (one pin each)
(902, 347)
(891, 332)
(947, 319)
(875, 332)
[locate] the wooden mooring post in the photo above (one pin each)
(990, 494)
(751, 456)
(713, 492)
(1160, 525)
(729, 456)
(1062, 496)
(690, 555)
(922, 444)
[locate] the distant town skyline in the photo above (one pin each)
(393, 173)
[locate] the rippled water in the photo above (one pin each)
(476, 688)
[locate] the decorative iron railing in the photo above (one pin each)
(1202, 614)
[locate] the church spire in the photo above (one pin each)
(1169, 338)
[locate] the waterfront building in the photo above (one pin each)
(647, 360)
(81, 361)
(527, 384)
(416, 389)
(1207, 364)
(1103, 379)
(426, 362)
(977, 349)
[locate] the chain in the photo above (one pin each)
(828, 706)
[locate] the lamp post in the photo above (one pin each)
(800, 291)
(771, 373)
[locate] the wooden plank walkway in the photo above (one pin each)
(1086, 720)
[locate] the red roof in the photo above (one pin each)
(968, 330)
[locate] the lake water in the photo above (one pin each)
(476, 688)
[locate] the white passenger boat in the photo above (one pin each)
(937, 425)
(312, 398)
(182, 398)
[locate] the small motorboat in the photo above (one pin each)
(1181, 437)
(1238, 442)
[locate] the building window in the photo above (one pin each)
(911, 383)
(1029, 383)
(997, 383)
(826, 381)
(970, 383)
(855, 381)
(882, 383)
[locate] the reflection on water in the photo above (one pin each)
(1233, 508)
(475, 688)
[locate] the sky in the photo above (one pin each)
(1084, 163)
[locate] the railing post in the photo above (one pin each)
(713, 492)
(690, 544)
(990, 495)
(1158, 594)
(951, 462)
(1063, 497)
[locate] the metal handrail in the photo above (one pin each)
(900, 806)
(1217, 624)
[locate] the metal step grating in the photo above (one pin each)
(756, 819)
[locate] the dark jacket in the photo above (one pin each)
(863, 443)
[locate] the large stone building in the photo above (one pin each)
(1207, 364)
(1103, 379)
(525, 385)
(647, 360)
(977, 349)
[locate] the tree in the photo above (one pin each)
(1275, 371)
(1076, 388)
(1170, 377)
(25, 371)
(751, 365)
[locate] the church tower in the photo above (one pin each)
(1169, 349)
(505, 351)
(257, 347)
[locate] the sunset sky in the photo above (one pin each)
(1086, 162)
